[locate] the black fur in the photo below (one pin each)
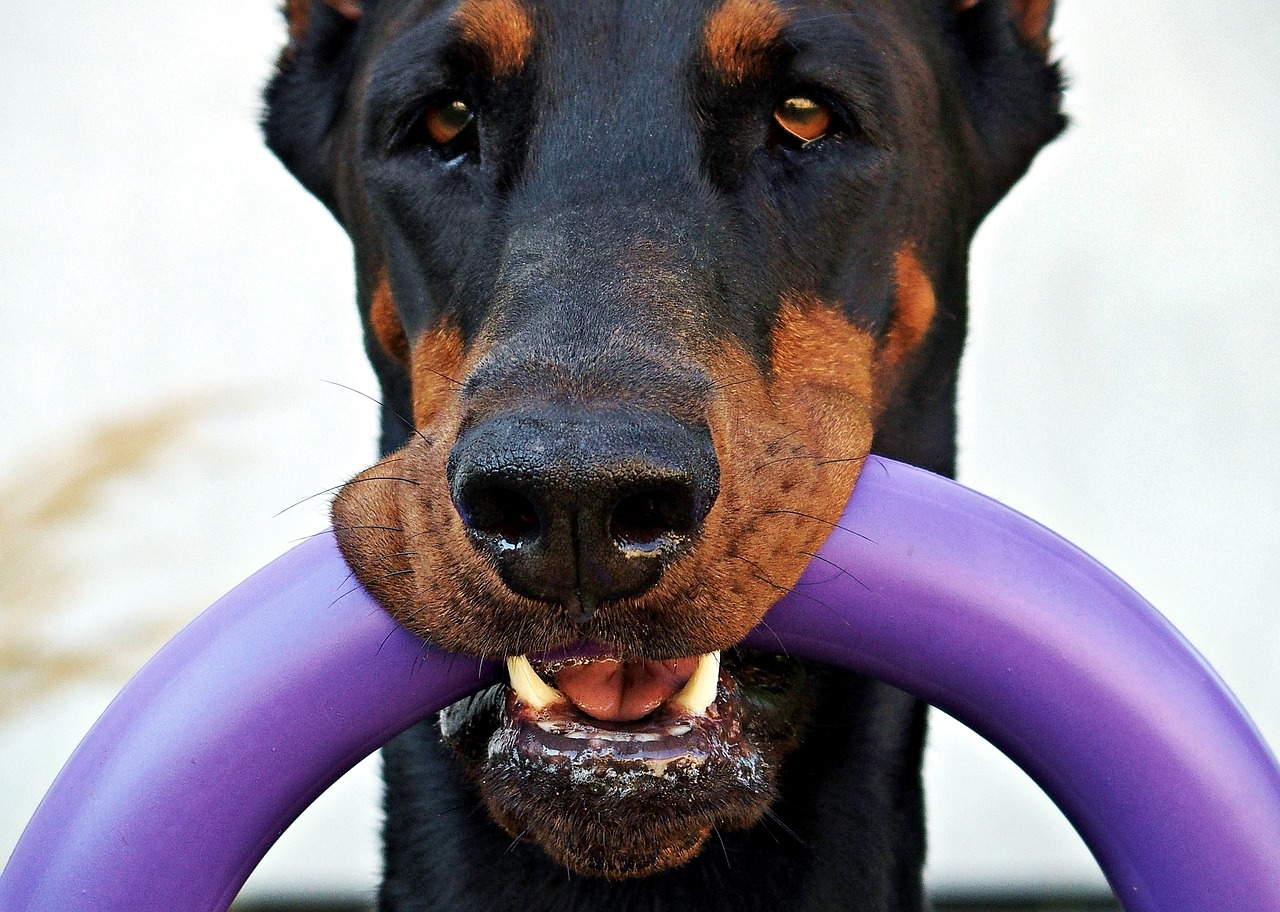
(629, 137)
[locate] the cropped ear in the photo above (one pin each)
(1031, 18)
(307, 96)
(1013, 89)
(298, 14)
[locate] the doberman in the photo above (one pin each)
(644, 281)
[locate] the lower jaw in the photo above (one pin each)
(601, 815)
(595, 842)
(618, 806)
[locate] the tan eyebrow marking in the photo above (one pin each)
(738, 35)
(501, 30)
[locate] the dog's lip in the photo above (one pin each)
(581, 649)
(672, 733)
(645, 748)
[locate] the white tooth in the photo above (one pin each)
(700, 691)
(532, 690)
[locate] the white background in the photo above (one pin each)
(171, 303)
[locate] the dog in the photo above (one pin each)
(643, 283)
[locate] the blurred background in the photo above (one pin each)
(177, 329)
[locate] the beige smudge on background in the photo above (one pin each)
(56, 493)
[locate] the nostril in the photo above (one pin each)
(647, 520)
(581, 507)
(502, 513)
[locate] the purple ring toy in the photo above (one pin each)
(264, 700)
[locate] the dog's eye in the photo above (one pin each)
(447, 120)
(802, 120)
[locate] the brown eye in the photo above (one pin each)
(803, 119)
(447, 120)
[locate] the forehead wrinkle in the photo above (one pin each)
(615, 112)
(500, 30)
(739, 34)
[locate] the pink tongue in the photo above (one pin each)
(615, 691)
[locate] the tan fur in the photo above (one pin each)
(502, 30)
(790, 444)
(738, 34)
(1033, 21)
(915, 305)
(436, 374)
(385, 322)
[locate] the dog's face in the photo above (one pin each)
(649, 280)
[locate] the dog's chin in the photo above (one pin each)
(623, 799)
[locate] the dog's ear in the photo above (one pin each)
(297, 14)
(1030, 18)
(306, 97)
(1013, 88)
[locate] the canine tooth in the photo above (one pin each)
(700, 691)
(532, 690)
(676, 731)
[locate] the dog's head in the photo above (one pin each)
(644, 283)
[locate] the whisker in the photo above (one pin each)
(364, 565)
(382, 557)
(773, 633)
(824, 462)
(365, 528)
(295, 541)
(825, 522)
(817, 460)
(515, 842)
(339, 487)
(382, 405)
(749, 562)
(782, 824)
(442, 376)
(360, 585)
(723, 848)
(738, 382)
(792, 591)
(831, 563)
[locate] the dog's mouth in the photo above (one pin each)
(623, 766)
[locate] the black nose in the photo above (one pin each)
(578, 505)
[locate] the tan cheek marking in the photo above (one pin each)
(791, 446)
(914, 307)
(738, 34)
(815, 345)
(502, 30)
(397, 527)
(436, 373)
(385, 321)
